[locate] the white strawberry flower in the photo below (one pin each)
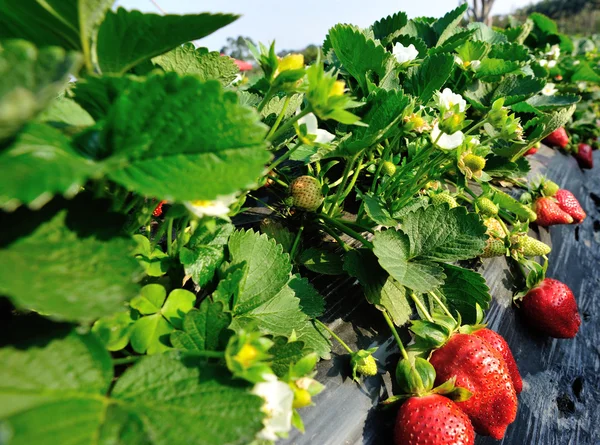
(446, 100)
(548, 63)
(475, 64)
(278, 398)
(219, 208)
(444, 140)
(549, 89)
(403, 53)
(312, 127)
(458, 60)
(554, 52)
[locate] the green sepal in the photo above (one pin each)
(453, 392)
(363, 363)
(536, 274)
(390, 401)
(415, 376)
(509, 203)
(433, 334)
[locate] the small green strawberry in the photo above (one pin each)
(486, 206)
(549, 188)
(474, 162)
(529, 246)
(363, 363)
(494, 247)
(494, 227)
(389, 168)
(444, 197)
(306, 193)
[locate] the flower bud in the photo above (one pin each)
(338, 88)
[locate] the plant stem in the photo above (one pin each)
(357, 171)
(266, 99)
(296, 242)
(208, 354)
(346, 347)
(342, 185)
(342, 244)
(347, 230)
(289, 123)
(420, 306)
(506, 231)
(438, 300)
(285, 156)
(280, 117)
(395, 334)
(170, 236)
(475, 127)
(126, 360)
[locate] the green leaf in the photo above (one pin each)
(421, 30)
(463, 290)
(585, 73)
(97, 94)
(509, 51)
(380, 289)
(438, 233)
(31, 79)
(218, 148)
(150, 335)
(392, 249)
(285, 354)
(321, 261)
(486, 34)
(430, 76)
(516, 88)
(67, 260)
(473, 50)
(279, 233)
(179, 303)
(407, 40)
(187, 60)
(114, 331)
(155, 262)
(389, 27)
(205, 251)
(38, 165)
(543, 23)
(275, 106)
(151, 299)
(446, 25)
(545, 103)
(452, 42)
(65, 112)
(495, 67)
(204, 329)
(127, 38)
(376, 210)
(359, 54)
(315, 339)
(311, 302)
(60, 388)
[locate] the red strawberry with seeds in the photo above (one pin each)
(497, 342)
(432, 420)
(551, 308)
(569, 204)
(158, 210)
(558, 137)
(533, 150)
(549, 213)
(584, 156)
(480, 369)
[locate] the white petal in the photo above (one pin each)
(405, 53)
(552, 64)
(278, 398)
(310, 120)
(543, 62)
(446, 141)
(447, 99)
(475, 64)
(323, 136)
(549, 90)
(218, 208)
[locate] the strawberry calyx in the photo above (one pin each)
(363, 363)
(534, 274)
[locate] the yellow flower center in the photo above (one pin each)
(201, 203)
(338, 88)
(246, 355)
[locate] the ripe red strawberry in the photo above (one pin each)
(497, 342)
(584, 156)
(568, 203)
(558, 137)
(551, 308)
(549, 213)
(479, 368)
(533, 150)
(158, 210)
(432, 420)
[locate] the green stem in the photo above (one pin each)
(126, 360)
(342, 244)
(421, 307)
(347, 230)
(506, 231)
(170, 237)
(395, 334)
(342, 185)
(285, 156)
(384, 157)
(352, 183)
(296, 242)
(475, 127)
(279, 118)
(285, 127)
(266, 99)
(181, 233)
(333, 334)
(438, 300)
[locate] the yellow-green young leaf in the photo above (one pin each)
(59, 389)
(114, 331)
(31, 78)
(64, 112)
(199, 62)
(39, 164)
(127, 38)
(67, 260)
(218, 148)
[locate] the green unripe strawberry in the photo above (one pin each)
(474, 162)
(494, 227)
(529, 246)
(494, 247)
(366, 366)
(486, 206)
(389, 168)
(549, 188)
(302, 398)
(442, 198)
(306, 193)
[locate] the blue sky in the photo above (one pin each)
(296, 24)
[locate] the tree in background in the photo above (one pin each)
(480, 10)
(571, 16)
(238, 48)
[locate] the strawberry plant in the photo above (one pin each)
(147, 303)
